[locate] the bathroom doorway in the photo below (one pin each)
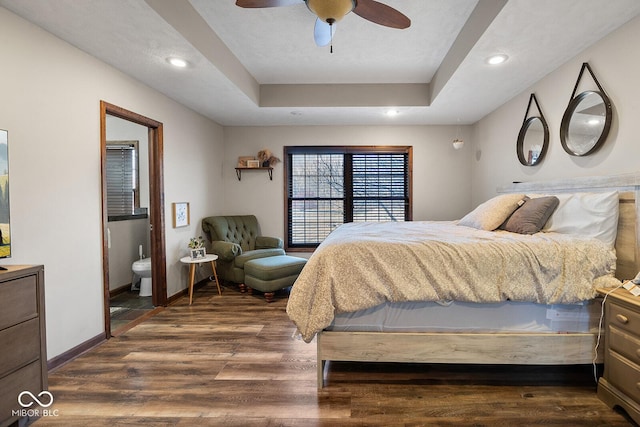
(133, 220)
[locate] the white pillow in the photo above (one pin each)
(492, 213)
(586, 214)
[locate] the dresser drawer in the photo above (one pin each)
(22, 346)
(18, 301)
(625, 344)
(624, 374)
(25, 379)
(624, 318)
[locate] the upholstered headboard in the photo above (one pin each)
(628, 187)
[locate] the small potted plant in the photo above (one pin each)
(196, 247)
(266, 158)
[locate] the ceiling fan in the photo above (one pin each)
(331, 11)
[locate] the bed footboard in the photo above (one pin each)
(469, 348)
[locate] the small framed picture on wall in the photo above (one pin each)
(180, 214)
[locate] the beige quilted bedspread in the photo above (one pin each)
(361, 265)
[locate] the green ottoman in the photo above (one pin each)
(272, 273)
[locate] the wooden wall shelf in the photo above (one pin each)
(268, 169)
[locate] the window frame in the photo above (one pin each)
(348, 196)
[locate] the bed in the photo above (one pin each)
(531, 316)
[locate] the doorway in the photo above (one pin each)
(156, 246)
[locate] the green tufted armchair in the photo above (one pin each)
(236, 239)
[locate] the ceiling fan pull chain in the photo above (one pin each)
(331, 35)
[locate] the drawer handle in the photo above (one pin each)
(622, 319)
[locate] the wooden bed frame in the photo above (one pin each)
(499, 348)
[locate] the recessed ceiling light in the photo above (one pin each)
(392, 113)
(178, 62)
(497, 59)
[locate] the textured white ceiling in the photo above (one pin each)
(237, 55)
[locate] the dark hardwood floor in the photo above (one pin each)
(234, 360)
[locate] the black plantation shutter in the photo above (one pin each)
(120, 179)
(379, 187)
(316, 197)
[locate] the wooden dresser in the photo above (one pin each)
(23, 355)
(620, 384)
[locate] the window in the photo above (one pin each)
(329, 186)
(122, 178)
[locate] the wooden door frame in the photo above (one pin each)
(156, 205)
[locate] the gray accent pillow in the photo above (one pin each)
(531, 216)
(490, 214)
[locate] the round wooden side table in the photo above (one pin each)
(192, 270)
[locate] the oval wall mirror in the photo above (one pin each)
(533, 138)
(585, 124)
(587, 119)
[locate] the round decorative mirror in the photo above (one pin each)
(587, 119)
(533, 140)
(586, 122)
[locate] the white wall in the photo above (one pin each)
(125, 238)
(441, 175)
(50, 107)
(616, 64)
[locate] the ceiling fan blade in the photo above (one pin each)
(266, 3)
(323, 32)
(382, 14)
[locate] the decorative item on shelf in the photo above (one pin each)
(242, 161)
(253, 163)
(587, 119)
(181, 214)
(267, 159)
(196, 247)
(533, 137)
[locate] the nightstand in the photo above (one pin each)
(620, 384)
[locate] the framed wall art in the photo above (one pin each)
(180, 214)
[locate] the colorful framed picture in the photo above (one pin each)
(180, 214)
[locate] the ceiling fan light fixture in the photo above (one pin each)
(330, 11)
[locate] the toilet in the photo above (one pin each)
(142, 269)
